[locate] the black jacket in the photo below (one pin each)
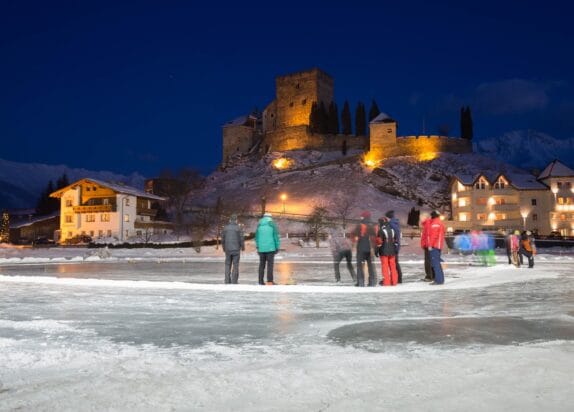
(232, 238)
(388, 240)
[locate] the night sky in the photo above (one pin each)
(145, 86)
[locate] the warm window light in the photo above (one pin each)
(491, 216)
(461, 202)
(454, 197)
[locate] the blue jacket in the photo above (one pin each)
(396, 225)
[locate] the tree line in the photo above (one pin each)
(325, 120)
(46, 204)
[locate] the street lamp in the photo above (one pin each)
(555, 191)
(283, 198)
(524, 214)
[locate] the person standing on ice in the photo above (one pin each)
(267, 242)
(396, 225)
(425, 224)
(435, 244)
(364, 237)
(233, 243)
(387, 251)
(341, 247)
(527, 247)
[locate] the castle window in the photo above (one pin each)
(291, 104)
(533, 202)
(297, 86)
(303, 102)
(535, 216)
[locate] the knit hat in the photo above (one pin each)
(267, 214)
(366, 214)
(390, 214)
(435, 214)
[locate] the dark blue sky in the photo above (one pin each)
(144, 86)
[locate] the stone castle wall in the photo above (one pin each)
(300, 138)
(237, 139)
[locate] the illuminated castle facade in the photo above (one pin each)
(284, 126)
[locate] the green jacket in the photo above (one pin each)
(267, 236)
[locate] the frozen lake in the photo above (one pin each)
(169, 336)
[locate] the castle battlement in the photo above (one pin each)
(284, 125)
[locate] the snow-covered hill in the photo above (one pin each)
(22, 183)
(334, 181)
(527, 149)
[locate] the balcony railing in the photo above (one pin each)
(93, 209)
(505, 207)
(146, 212)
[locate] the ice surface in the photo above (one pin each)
(157, 330)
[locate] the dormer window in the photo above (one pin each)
(501, 183)
(481, 184)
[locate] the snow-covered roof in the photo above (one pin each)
(382, 118)
(521, 181)
(556, 169)
(116, 187)
(23, 223)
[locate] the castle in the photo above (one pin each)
(284, 126)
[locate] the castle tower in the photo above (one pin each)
(383, 134)
(295, 94)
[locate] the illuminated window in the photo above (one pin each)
(481, 216)
(500, 216)
(106, 201)
(481, 184)
(126, 218)
(500, 183)
(482, 201)
(500, 201)
(563, 216)
(561, 200)
(90, 218)
(461, 202)
(105, 217)
(462, 217)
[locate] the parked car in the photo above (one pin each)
(555, 235)
(78, 240)
(44, 241)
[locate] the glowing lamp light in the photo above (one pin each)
(427, 156)
(281, 163)
(283, 199)
(491, 216)
(491, 201)
(371, 161)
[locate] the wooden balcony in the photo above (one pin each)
(506, 207)
(146, 212)
(93, 209)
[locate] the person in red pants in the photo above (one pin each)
(387, 247)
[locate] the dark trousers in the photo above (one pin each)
(436, 266)
(529, 255)
(363, 257)
(348, 255)
(399, 270)
(231, 264)
(429, 273)
(509, 255)
(266, 258)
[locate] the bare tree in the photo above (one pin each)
(317, 223)
(201, 222)
(343, 206)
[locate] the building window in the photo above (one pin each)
(533, 202)
(481, 184)
(90, 218)
(127, 201)
(69, 234)
(138, 232)
(559, 185)
(482, 201)
(462, 217)
(500, 183)
(91, 233)
(87, 189)
(105, 217)
(68, 202)
(126, 218)
(68, 218)
(563, 216)
(500, 201)
(500, 216)
(106, 201)
(94, 188)
(461, 202)
(109, 233)
(291, 104)
(100, 233)
(535, 216)
(568, 185)
(481, 216)
(303, 102)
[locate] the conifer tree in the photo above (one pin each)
(314, 118)
(466, 127)
(346, 119)
(470, 132)
(360, 120)
(324, 119)
(333, 118)
(373, 111)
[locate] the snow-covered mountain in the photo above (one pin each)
(527, 149)
(22, 183)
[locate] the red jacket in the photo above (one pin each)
(435, 235)
(425, 233)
